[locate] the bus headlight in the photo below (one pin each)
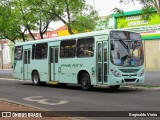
(141, 73)
(115, 73)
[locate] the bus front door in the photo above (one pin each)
(53, 73)
(26, 62)
(102, 62)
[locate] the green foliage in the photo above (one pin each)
(8, 27)
(75, 14)
(83, 24)
(103, 23)
(20, 17)
(118, 11)
(147, 6)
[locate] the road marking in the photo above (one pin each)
(39, 99)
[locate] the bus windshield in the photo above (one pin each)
(126, 49)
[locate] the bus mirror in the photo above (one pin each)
(136, 45)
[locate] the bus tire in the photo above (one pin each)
(35, 78)
(114, 87)
(85, 81)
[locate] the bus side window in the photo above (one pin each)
(68, 49)
(85, 47)
(29, 56)
(33, 51)
(18, 52)
(41, 51)
(56, 55)
(25, 57)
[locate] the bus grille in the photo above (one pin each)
(129, 80)
(129, 70)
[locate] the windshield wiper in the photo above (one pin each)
(124, 45)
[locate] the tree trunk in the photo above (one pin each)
(23, 37)
(69, 18)
(157, 6)
(29, 30)
(41, 34)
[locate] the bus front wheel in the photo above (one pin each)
(35, 78)
(85, 81)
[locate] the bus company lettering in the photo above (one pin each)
(71, 65)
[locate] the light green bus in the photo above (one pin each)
(101, 58)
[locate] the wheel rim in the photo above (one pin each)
(35, 79)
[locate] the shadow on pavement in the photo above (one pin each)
(78, 88)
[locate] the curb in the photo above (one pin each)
(8, 79)
(143, 87)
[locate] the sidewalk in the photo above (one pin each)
(9, 106)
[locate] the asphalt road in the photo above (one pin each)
(72, 98)
(152, 78)
(6, 72)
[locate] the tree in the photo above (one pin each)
(103, 23)
(84, 22)
(17, 19)
(147, 5)
(41, 19)
(21, 17)
(76, 15)
(8, 25)
(32, 20)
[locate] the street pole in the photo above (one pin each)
(2, 54)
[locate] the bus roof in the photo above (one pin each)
(74, 36)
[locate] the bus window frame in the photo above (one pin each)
(46, 51)
(33, 51)
(21, 57)
(93, 47)
(61, 45)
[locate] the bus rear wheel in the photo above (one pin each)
(35, 78)
(85, 81)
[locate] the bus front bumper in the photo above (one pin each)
(125, 80)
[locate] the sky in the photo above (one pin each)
(104, 8)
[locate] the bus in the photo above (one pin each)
(101, 58)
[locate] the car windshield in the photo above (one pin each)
(126, 49)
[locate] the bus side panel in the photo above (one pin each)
(66, 71)
(18, 69)
(18, 62)
(69, 69)
(42, 67)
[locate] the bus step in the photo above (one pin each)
(53, 82)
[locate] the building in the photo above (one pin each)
(149, 30)
(5, 54)
(61, 31)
